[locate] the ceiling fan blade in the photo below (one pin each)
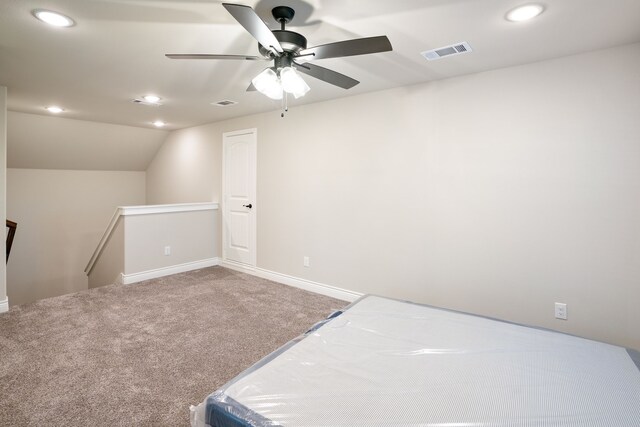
(348, 48)
(251, 22)
(211, 56)
(327, 75)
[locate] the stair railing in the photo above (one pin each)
(10, 233)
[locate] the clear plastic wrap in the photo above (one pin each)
(384, 362)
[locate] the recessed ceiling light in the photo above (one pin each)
(152, 98)
(53, 18)
(525, 12)
(54, 109)
(159, 123)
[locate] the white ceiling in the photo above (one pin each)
(116, 50)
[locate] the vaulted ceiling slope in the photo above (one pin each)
(41, 142)
(115, 52)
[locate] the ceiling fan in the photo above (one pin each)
(290, 54)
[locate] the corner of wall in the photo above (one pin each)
(4, 303)
(150, 199)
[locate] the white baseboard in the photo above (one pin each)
(127, 279)
(4, 305)
(118, 280)
(296, 282)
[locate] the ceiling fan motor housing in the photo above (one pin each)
(290, 41)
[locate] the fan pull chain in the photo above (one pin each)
(285, 105)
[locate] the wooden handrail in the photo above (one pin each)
(12, 232)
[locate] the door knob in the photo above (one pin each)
(248, 206)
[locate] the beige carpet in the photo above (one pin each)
(139, 355)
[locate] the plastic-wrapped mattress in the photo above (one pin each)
(384, 362)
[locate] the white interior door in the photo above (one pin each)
(239, 196)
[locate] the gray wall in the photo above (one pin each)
(61, 216)
(497, 193)
(146, 236)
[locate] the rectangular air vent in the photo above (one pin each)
(140, 101)
(441, 52)
(224, 103)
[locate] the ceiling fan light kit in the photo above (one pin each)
(267, 83)
(290, 55)
(292, 82)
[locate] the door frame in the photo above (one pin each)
(254, 211)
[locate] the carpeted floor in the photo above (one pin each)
(139, 355)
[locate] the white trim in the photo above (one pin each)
(127, 279)
(4, 305)
(238, 266)
(296, 282)
(241, 132)
(155, 209)
(143, 210)
(118, 279)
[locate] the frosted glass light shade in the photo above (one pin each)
(267, 82)
(293, 83)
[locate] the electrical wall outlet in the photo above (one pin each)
(561, 311)
(305, 261)
(167, 250)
